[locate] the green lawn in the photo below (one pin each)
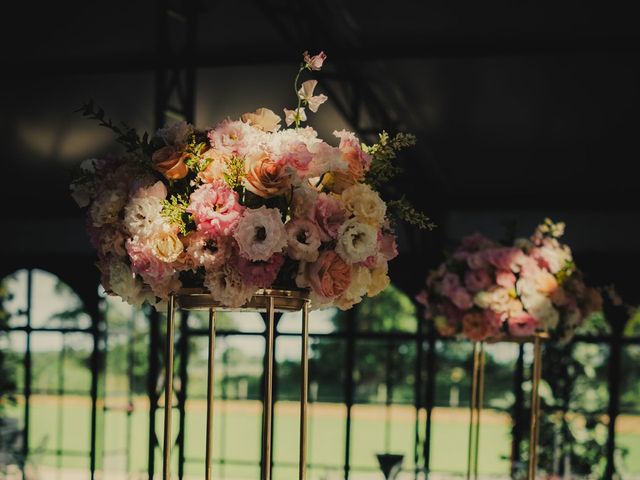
(237, 431)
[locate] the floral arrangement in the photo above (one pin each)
(244, 206)
(487, 291)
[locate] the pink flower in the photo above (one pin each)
(291, 116)
(208, 252)
(506, 279)
(234, 137)
(216, 209)
(522, 325)
(477, 260)
(306, 93)
(474, 242)
(329, 216)
(260, 233)
(476, 326)
(450, 282)
(505, 258)
(329, 276)
(357, 160)
(145, 264)
(476, 280)
(303, 240)
(461, 298)
(422, 298)
(388, 246)
(262, 274)
(314, 62)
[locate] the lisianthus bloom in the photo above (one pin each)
(356, 241)
(505, 258)
(170, 161)
(142, 215)
(175, 134)
(227, 286)
(303, 240)
(387, 245)
(123, 282)
(261, 274)
(234, 137)
(358, 286)
(523, 325)
(552, 255)
(364, 203)
(262, 119)
(314, 62)
(206, 251)
(450, 282)
(476, 280)
(303, 201)
(293, 116)
(265, 177)
(216, 209)
(107, 206)
(306, 93)
(145, 263)
(260, 233)
(111, 241)
(329, 276)
(461, 298)
(216, 168)
(329, 215)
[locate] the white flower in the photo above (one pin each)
(357, 241)
(260, 233)
(166, 246)
(364, 203)
(303, 240)
(326, 159)
(263, 119)
(290, 116)
(306, 93)
(125, 284)
(358, 288)
(106, 207)
(226, 286)
(142, 216)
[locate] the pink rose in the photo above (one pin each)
(329, 216)
(261, 274)
(476, 327)
(506, 279)
(461, 298)
(329, 276)
(216, 209)
(477, 261)
(476, 280)
(522, 325)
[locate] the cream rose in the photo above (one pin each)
(166, 246)
(365, 204)
(360, 280)
(379, 280)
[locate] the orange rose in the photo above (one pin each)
(265, 177)
(329, 276)
(169, 161)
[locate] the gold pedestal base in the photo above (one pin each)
(267, 301)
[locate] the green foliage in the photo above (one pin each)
(235, 172)
(384, 153)
(7, 374)
(174, 209)
(125, 135)
(403, 210)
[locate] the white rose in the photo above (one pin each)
(357, 241)
(166, 246)
(364, 203)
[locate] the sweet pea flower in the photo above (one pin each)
(262, 119)
(314, 62)
(306, 93)
(293, 116)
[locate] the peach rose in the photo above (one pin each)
(329, 276)
(265, 177)
(169, 161)
(217, 166)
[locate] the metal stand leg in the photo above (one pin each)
(210, 394)
(304, 392)
(168, 390)
(476, 402)
(535, 406)
(268, 393)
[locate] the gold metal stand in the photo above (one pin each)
(477, 401)
(268, 301)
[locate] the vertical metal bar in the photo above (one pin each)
(618, 320)
(518, 407)
(387, 400)
(152, 388)
(27, 368)
(349, 386)
(535, 407)
(473, 407)
(60, 404)
(268, 393)
(168, 390)
(183, 345)
(417, 396)
(130, 377)
(211, 387)
(304, 391)
(430, 399)
(479, 404)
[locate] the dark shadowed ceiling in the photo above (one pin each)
(521, 110)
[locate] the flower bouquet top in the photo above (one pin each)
(487, 291)
(242, 206)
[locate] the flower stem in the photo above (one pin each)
(295, 89)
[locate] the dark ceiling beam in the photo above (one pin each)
(413, 49)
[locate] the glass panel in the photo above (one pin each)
(16, 303)
(391, 310)
(320, 321)
(590, 389)
(55, 304)
(327, 373)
